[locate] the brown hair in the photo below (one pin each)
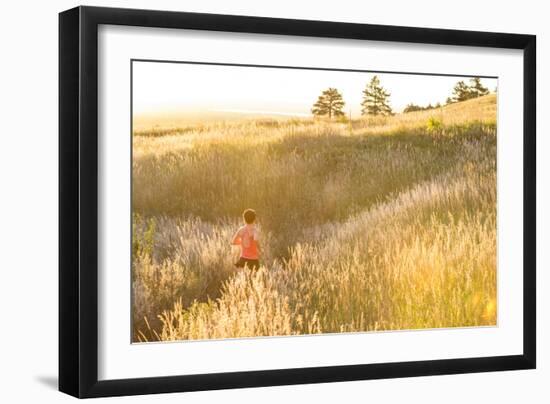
(249, 215)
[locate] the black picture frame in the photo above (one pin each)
(78, 201)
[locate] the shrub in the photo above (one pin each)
(434, 125)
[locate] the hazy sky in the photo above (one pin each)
(167, 87)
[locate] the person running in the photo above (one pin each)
(247, 238)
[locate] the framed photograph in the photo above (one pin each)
(251, 201)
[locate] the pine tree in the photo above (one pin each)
(477, 88)
(461, 92)
(375, 99)
(329, 103)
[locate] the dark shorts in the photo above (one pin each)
(248, 263)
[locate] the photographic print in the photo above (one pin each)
(281, 201)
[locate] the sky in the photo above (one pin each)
(174, 87)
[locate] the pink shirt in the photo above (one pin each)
(249, 242)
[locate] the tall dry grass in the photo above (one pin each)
(367, 229)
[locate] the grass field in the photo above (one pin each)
(375, 224)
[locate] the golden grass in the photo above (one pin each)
(384, 226)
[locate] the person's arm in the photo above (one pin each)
(236, 238)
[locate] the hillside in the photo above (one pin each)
(478, 109)
(381, 223)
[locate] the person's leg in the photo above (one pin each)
(253, 265)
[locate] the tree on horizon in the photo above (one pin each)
(412, 107)
(375, 99)
(463, 91)
(330, 103)
(477, 87)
